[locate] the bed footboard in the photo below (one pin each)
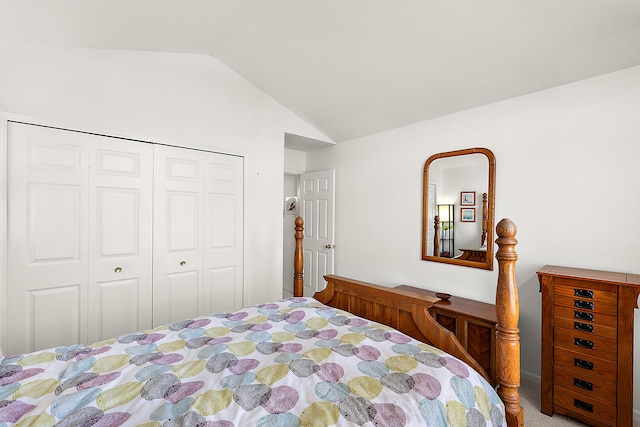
(408, 312)
(405, 311)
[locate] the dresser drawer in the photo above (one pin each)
(585, 407)
(582, 364)
(588, 328)
(586, 384)
(586, 344)
(586, 290)
(585, 305)
(608, 320)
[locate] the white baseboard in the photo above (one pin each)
(535, 378)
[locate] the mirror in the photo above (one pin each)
(458, 208)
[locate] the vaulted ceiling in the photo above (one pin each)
(357, 67)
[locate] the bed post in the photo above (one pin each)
(485, 221)
(436, 235)
(507, 311)
(298, 260)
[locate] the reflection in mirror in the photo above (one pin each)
(458, 208)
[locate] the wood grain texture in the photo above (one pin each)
(409, 312)
(403, 310)
(604, 302)
(427, 217)
(472, 322)
(298, 259)
(508, 313)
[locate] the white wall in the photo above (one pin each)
(294, 162)
(188, 100)
(567, 173)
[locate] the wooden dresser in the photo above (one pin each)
(479, 255)
(587, 344)
(473, 323)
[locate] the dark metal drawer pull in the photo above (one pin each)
(585, 327)
(583, 316)
(583, 293)
(582, 405)
(583, 343)
(583, 384)
(583, 364)
(583, 304)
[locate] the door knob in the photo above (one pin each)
(118, 269)
(183, 263)
(329, 246)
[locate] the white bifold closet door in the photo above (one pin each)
(83, 261)
(198, 237)
(79, 247)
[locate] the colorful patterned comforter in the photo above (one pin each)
(295, 362)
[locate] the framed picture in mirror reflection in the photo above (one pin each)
(467, 198)
(468, 214)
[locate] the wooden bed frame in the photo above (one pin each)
(408, 312)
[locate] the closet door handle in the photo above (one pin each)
(183, 263)
(118, 270)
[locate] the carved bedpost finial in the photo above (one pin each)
(298, 260)
(507, 311)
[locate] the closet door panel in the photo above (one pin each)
(220, 280)
(47, 237)
(53, 224)
(223, 254)
(183, 295)
(117, 297)
(177, 270)
(55, 316)
(117, 222)
(182, 221)
(120, 232)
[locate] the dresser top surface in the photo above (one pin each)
(593, 275)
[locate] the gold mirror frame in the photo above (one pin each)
(491, 190)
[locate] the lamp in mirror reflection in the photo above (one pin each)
(446, 216)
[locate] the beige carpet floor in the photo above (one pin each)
(530, 401)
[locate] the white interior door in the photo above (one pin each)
(317, 208)
(198, 235)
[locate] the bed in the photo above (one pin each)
(354, 354)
